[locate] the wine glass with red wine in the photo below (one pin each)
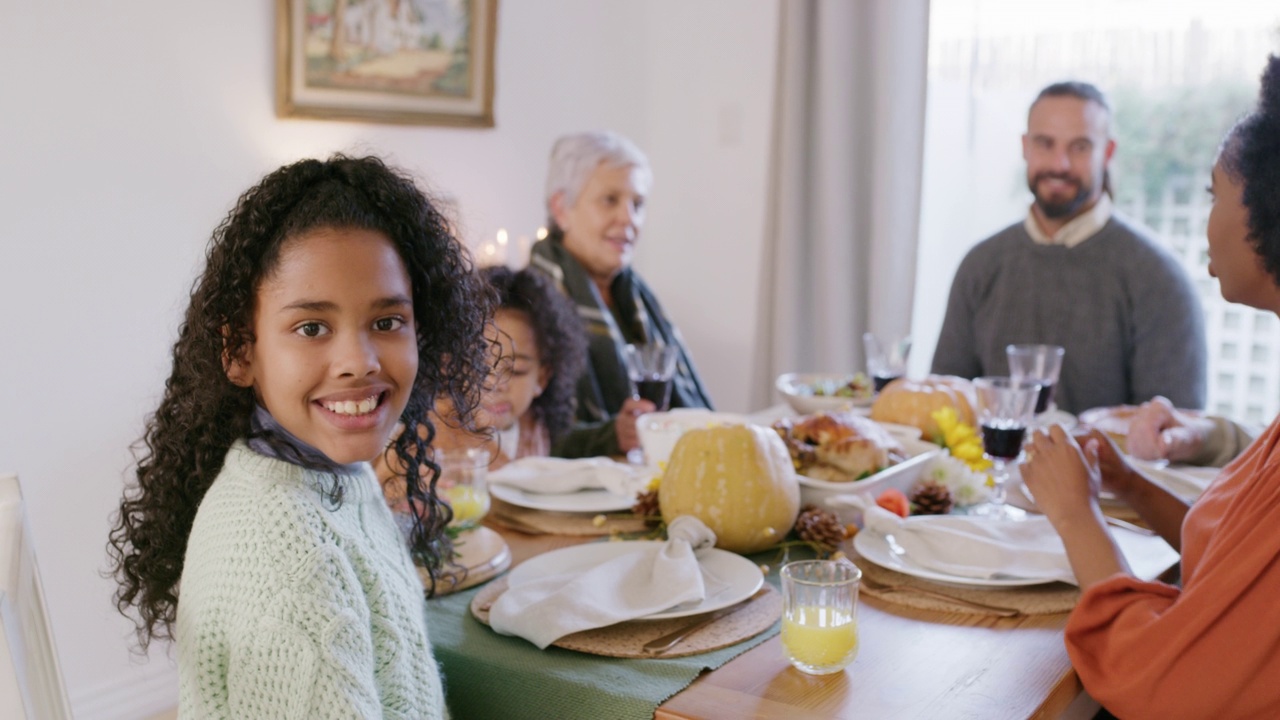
(885, 363)
(1005, 407)
(1039, 363)
(651, 369)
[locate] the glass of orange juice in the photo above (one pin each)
(820, 614)
(463, 485)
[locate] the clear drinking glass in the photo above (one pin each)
(1005, 408)
(1040, 363)
(820, 614)
(885, 363)
(463, 485)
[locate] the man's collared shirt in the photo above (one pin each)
(1077, 230)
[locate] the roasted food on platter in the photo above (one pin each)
(912, 402)
(839, 446)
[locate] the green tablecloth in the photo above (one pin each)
(491, 676)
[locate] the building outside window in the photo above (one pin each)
(1177, 74)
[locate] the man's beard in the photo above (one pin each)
(1064, 208)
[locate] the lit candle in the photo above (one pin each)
(520, 256)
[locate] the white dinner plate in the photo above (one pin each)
(740, 576)
(876, 548)
(583, 501)
(1049, 418)
(1185, 481)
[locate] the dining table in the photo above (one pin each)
(912, 662)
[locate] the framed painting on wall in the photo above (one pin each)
(427, 62)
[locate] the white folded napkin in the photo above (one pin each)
(656, 577)
(555, 476)
(968, 546)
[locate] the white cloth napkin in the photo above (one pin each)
(656, 577)
(970, 547)
(555, 476)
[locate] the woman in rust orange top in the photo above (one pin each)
(1210, 649)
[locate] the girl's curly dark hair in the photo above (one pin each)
(202, 412)
(562, 344)
(1251, 154)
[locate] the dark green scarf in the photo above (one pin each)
(604, 386)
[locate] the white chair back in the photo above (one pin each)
(30, 682)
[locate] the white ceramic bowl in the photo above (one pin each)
(659, 431)
(798, 389)
(902, 476)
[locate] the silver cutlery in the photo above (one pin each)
(666, 642)
(1117, 522)
(884, 587)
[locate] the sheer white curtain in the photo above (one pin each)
(840, 247)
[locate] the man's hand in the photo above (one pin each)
(625, 422)
(1159, 431)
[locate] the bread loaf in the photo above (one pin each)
(912, 402)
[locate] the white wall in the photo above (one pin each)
(128, 129)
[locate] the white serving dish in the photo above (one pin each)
(902, 476)
(797, 389)
(659, 431)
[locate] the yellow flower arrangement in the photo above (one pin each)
(964, 443)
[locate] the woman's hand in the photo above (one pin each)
(1159, 431)
(1063, 477)
(625, 422)
(1116, 474)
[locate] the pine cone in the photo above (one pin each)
(820, 527)
(647, 507)
(931, 498)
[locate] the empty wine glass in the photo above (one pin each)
(1039, 363)
(1005, 407)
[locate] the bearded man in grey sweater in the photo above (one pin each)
(1075, 274)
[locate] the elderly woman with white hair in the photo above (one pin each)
(596, 190)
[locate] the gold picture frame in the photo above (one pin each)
(416, 62)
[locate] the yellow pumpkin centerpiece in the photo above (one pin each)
(738, 480)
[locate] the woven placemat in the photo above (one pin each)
(626, 640)
(1046, 599)
(482, 555)
(558, 523)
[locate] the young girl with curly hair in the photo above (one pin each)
(1210, 648)
(529, 402)
(334, 304)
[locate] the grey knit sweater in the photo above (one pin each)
(1122, 307)
(290, 608)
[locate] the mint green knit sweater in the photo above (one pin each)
(291, 609)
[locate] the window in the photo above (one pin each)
(1178, 75)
